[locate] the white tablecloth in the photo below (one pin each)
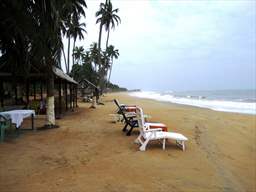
(17, 116)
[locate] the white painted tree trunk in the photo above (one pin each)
(50, 114)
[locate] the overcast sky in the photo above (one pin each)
(181, 45)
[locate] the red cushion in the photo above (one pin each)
(130, 109)
(163, 127)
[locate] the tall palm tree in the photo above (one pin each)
(79, 29)
(72, 12)
(49, 47)
(21, 48)
(94, 55)
(106, 17)
(112, 53)
(111, 19)
(101, 14)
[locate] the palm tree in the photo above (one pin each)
(78, 54)
(111, 19)
(21, 48)
(49, 47)
(112, 53)
(78, 32)
(74, 30)
(72, 12)
(101, 14)
(106, 17)
(94, 54)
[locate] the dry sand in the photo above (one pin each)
(89, 153)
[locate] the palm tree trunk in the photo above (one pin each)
(99, 41)
(50, 114)
(107, 82)
(99, 49)
(107, 39)
(67, 69)
(110, 70)
(64, 56)
(99, 64)
(73, 58)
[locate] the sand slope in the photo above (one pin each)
(90, 153)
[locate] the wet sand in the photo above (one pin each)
(90, 153)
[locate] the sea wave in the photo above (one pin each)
(199, 101)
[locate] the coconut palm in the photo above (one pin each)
(72, 12)
(30, 36)
(78, 54)
(78, 30)
(112, 53)
(94, 55)
(74, 30)
(112, 19)
(101, 14)
(106, 16)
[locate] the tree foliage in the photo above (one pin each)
(86, 66)
(107, 17)
(31, 37)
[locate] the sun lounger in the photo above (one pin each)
(129, 119)
(124, 107)
(148, 134)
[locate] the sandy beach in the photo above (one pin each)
(90, 153)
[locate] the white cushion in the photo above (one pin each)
(165, 135)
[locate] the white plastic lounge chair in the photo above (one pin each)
(147, 134)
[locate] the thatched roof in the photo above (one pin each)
(58, 72)
(86, 81)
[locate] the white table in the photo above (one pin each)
(17, 116)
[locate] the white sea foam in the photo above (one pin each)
(217, 105)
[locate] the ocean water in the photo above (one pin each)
(237, 101)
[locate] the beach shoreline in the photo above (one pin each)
(217, 100)
(90, 153)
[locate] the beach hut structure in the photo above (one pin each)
(86, 88)
(29, 90)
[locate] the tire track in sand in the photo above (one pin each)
(204, 141)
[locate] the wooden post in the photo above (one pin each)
(73, 96)
(70, 95)
(76, 96)
(66, 95)
(60, 107)
(2, 93)
(27, 93)
(34, 90)
(41, 90)
(16, 94)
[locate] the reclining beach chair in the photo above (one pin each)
(129, 119)
(148, 134)
(129, 110)
(125, 108)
